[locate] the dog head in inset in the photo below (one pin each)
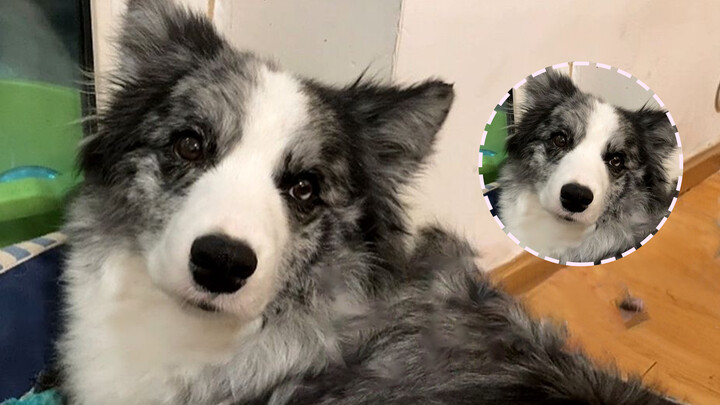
(586, 160)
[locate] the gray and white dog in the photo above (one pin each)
(239, 239)
(585, 180)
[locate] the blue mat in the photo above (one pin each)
(29, 303)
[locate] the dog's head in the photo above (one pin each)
(586, 158)
(233, 177)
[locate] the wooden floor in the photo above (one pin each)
(677, 275)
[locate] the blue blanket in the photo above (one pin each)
(29, 302)
(49, 397)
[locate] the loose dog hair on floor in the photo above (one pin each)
(240, 238)
(585, 180)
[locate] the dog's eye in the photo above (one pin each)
(559, 139)
(188, 146)
(616, 161)
(303, 190)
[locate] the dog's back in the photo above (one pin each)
(449, 336)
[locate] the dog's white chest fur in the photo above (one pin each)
(130, 343)
(538, 229)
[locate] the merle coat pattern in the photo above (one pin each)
(201, 139)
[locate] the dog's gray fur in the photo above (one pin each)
(359, 317)
(449, 336)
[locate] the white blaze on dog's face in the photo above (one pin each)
(585, 168)
(238, 198)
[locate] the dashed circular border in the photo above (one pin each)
(677, 188)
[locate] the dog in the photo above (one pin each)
(240, 239)
(585, 180)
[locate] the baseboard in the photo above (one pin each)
(523, 273)
(700, 167)
(526, 271)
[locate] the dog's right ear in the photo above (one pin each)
(549, 89)
(163, 34)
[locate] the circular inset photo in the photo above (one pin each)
(580, 163)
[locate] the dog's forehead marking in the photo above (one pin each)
(584, 164)
(276, 111)
(603, 124)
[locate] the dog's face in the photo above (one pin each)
(237, 180)
(582, 156)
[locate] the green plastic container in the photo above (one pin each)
(497, 134)
(39, 126)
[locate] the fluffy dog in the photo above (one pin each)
(585, 180)
(239, 239)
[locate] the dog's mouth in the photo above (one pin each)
(566, 218)
(562, 216)
(570, 219)
(203, 306)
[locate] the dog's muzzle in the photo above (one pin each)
(221, 264)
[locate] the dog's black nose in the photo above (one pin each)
(221, 264)
(575, 197)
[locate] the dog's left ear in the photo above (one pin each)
(663, 154)
(656, 125)
(399, 125)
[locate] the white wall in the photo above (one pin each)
(485, 47)
(331, 40)
(613, 87)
